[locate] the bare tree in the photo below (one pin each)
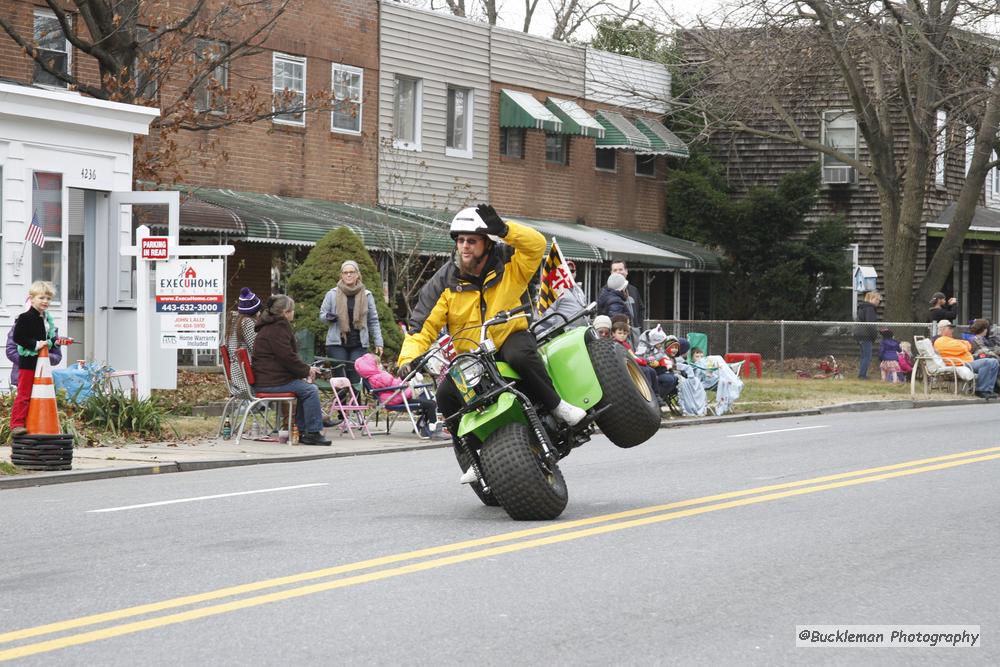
(762, 67)
(179, 58)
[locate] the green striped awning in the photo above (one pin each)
(575, 119)
(664, 141)
(619, 133)
(266, 218)
(519, 109)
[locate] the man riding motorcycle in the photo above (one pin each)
(485, 279)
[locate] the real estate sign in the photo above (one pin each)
(189, 298)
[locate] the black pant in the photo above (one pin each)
(521, 352)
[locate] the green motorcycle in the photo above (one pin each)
(512, 445)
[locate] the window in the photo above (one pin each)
(406, 116)
(940, 146)
(1, 231)
(995, 175)
(53, 47)
(47, 209)
(557, 148)
(645, 165)
(289, 87)
(459, 122)
(840, 131)
(146, 64)
(207, 96)
(606, 159)
(512, 142)
(347, 85)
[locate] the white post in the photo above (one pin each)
(143, 366)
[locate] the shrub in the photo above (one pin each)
(319, 273)
(119, 412)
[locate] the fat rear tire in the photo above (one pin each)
(634, 416)
(512, 461)
(464, 461)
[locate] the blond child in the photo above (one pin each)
(34, 329)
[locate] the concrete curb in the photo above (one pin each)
(22, 481)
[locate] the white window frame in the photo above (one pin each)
(418, 98)
(638, 173)
(831, 116)
(995, 175)
(940, 146)
(970, 147)
(296, 60)
(358, 103)
(605, 170)
(48, 13)
(58, 280)
(469, 108)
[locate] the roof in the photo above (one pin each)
(985, 223)
(519, 109)
(619, 133)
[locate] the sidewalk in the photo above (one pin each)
(162, 457)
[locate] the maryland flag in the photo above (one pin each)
(556, 278)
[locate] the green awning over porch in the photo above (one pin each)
(266, 218)
(663, 140)
(620, 133)
(519, 109)
(575, 119)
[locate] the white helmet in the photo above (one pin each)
(468, 221)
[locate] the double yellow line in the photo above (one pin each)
(295, 586)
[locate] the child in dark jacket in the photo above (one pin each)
(888, 355)
(33, 330)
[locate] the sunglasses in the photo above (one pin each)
(604, 333)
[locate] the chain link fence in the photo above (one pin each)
(789, 348)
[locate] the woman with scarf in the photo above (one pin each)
(349, 312)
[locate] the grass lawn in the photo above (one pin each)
(791, 393)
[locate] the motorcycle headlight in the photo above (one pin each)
(471, 369)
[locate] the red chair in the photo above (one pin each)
(751, 358)
(255, 398)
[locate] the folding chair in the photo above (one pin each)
(934, 366)
(383, 395)
(255, 398)
(237, 398)
(353, 415)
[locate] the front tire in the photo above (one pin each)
(464, 461)
(526, 487)
(634, 416)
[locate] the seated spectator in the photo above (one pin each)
(653, 348)
(709, 375)
(277, 367)
(982, 343)
(905, 359)
(621, 331)
(370, 368)
(567, 304)
(888, 356)
(602, 326)
(956, 352)
(613, 299)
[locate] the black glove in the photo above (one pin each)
(404, 370)
(494, 223)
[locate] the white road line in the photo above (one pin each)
(191, 500)
(780, 430)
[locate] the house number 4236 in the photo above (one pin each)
(88, 174)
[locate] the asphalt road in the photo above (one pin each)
(706, 545)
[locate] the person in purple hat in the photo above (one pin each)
(241, 331)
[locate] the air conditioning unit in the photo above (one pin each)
(839, 176)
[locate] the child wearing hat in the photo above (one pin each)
(242, 332)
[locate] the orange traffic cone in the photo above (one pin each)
(42, 416)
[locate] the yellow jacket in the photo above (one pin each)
(463, 306)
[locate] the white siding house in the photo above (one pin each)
(434, 88)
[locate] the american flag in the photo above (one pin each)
(34, 233)
(556, 278)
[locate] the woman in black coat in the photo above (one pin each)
(865, 331)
